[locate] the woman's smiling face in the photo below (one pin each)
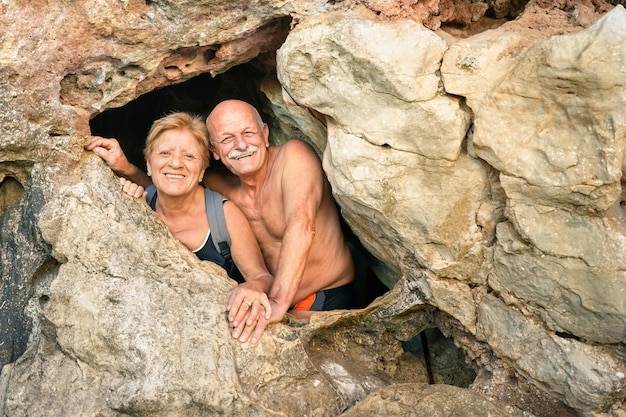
(175, 165)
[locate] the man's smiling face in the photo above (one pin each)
(238, 139)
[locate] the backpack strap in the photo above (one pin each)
(151, 197)
(217, 222)
(215, 216)
(214, 207)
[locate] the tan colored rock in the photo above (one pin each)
(416, 400)
(568, 112)
(594, 375)
(386, 91)
(412, 201)
(135, 324)
(505, 236)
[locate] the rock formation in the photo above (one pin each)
(475, 148)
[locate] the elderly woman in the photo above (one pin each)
(177, 154)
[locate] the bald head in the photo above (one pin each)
(230, 109)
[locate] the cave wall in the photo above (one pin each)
(482, 168)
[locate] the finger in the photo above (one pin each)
(258, 329)
(132, 190)
(239, 327)
(100, 142)
(93, 142)
(255, 312)
(265, 303)
(139, 191)
(247, 330)
(127, 187)
(239, 313)
(251, 324)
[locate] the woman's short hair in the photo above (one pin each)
(192, 123)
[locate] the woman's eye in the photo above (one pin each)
(164, 153)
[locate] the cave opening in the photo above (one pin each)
(130, 124)
(11, 193)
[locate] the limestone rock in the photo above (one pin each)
(416, 400)
(586, 377)
(385, 91)
(484, 172)
(568, 111)
(136, 324)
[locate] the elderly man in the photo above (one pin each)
(284, 193)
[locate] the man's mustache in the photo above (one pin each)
(237, 154)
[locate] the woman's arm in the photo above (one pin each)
(111, 152)
(248, 308)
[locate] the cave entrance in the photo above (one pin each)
(130, 124)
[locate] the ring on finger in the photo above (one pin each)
(248, 302)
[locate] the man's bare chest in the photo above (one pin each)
(266, 217)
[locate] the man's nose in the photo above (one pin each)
(240, 142)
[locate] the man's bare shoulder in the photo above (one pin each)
(297, 148)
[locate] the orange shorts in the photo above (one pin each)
(338, 298)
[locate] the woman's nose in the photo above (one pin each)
(176, 159)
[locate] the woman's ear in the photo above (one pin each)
(148, 169)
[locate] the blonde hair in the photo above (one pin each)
(192, 123)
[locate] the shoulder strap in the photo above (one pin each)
(214, 207)
(217, 223)
(151, 197)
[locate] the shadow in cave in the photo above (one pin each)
(130, 125)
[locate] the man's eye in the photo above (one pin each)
(227, 140)
(249, 133)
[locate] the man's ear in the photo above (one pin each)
(266, 135)
(213, 151)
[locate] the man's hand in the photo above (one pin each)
(248, 312)
(111, 152)
(278, 311)
(132, 189)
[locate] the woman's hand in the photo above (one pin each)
(248, 311)
(111, 152)
(132, 189)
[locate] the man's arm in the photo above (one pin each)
(302, 191)
(111, 152)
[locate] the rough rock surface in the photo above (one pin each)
(483, 170)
